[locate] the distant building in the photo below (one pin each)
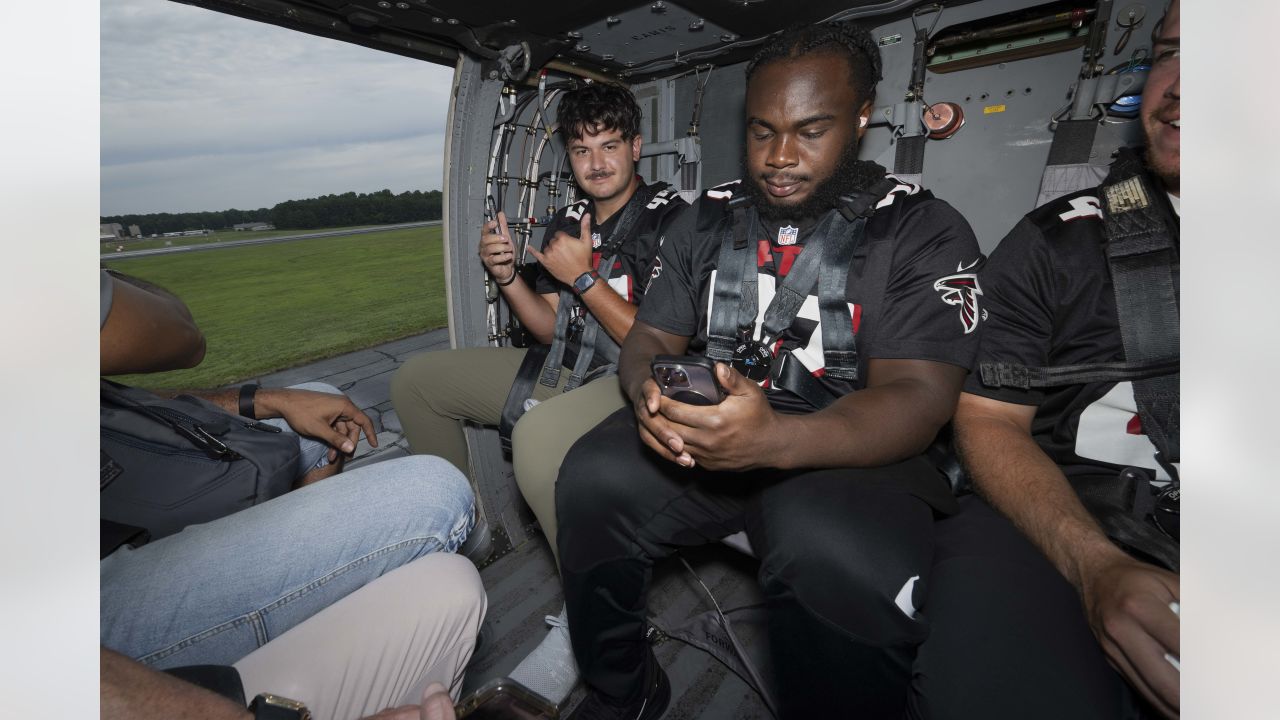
(110, 231)
(253, 226)
(135, 231)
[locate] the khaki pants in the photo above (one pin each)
(435, 392)
(378, 647)
(543, 437)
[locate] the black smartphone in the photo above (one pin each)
(505, 699)
(490, 210)
(687, 379)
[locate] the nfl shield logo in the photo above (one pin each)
(788, 235)
(595, 240)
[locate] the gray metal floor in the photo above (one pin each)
(523, 586)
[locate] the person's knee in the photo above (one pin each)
(531, 455)
(590, 483)
(863, 574)
(419, 491)
(449, 586)
(408, 380)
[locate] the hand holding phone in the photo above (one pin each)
(687, 379)
(496, 251)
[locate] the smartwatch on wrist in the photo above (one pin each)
(585, 282)
(247, 394)
(273, 707)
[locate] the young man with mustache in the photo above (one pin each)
(595, 257)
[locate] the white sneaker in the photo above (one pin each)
(550, 670)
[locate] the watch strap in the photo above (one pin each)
(247, 393)
(585, 281)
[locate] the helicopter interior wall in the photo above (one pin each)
(720, 124)
(990, 170)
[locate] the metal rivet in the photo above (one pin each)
(607, 56)
(630, 63)
(402, 5)
(384, 4)
(582, 47)
(728, 38)
(658, 7)
(612, 20)
(574, 34)
(452, 21)
(437, 20)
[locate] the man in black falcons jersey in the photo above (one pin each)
(821, 461)
(1070, 429)
(596, 256)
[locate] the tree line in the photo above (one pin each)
(376, 208)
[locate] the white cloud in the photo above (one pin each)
(206, 111)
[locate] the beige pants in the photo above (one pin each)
(378, 647)
(435, 393)
(543, 436)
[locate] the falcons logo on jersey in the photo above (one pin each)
(962, 289)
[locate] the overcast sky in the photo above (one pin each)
(206, 111)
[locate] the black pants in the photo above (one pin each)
(1008, 636)
(844, 560)
(999, 634)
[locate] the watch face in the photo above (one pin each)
(584, 282)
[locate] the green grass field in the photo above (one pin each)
(267, 307)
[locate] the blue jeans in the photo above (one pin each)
(215, 592)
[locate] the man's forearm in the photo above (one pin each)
(1009, 469)
(534, 312)
(130, 690)
(615, 314)
(875, 426)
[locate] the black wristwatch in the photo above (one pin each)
(585, 281)
(273, 707)
(247, 394)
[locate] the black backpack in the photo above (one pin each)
(172, 462)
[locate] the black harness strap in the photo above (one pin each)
(839, 341)
(731, 282)
(521, 390)
(1022, 377)
(1143, 255)
(569, 302)
(824, 264)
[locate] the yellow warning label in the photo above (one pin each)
(992, 109)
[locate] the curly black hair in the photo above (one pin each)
(598, 105)
(851, 40)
